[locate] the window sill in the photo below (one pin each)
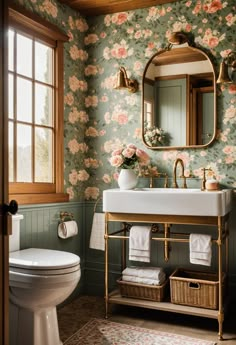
(24, 199)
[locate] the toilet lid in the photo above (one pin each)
(35, 258)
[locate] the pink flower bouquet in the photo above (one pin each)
(128, 157)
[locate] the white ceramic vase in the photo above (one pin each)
(127, 179)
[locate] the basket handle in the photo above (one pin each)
(194, 285)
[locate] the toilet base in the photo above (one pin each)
(33, 328)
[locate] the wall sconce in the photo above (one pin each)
(228, 63)
(123, 82)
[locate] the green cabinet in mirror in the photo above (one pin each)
(179, 99)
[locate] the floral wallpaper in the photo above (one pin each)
(98, 118)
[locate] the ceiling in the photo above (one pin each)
(97, 7)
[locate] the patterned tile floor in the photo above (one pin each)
(74, 315)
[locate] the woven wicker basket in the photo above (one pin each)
(198, 289)
(143, 291)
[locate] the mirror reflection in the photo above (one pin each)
(179, 99)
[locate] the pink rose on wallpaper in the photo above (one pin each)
(109, 82)
(232, 89)
(69, 99)
(73, 177)
(212, 6)
(229, 159)
(107, 117)
(188, 3)
(49, 7)
(106, 178)
(230, 18)
(91, 163)
(73, 146)
(147, 33)
(138, 66)
(91, 132)
(91, 38)
(91, 70)
(71, 193)
(83, 147)
(138, 34)
(104, 99)
(83, 175)
(103, 35)
(197, 8)
(121, 50)
(81, 25)
(230, 115)
(76, 84)
(107, 20)
(83, 116)
(76, 53)
(122, 119)
(119, 18)
(91, 192)
(91, 101)
(102, 133)
(73, 115)
(228, 149)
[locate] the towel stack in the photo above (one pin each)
(140, 243)
(144, 275)
(200, 249)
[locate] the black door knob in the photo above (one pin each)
(12, 207)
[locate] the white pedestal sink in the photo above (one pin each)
(168, 201)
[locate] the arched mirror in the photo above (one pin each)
(179, 99)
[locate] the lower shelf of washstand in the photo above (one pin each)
(116, 298)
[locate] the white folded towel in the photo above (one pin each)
(200, 249)
(97, 233)
(144, 272)
(67, 229)
(144, 280)
(140, 243)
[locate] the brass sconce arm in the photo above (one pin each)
(228, 62)
(123, 82)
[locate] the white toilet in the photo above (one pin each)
(39, 280)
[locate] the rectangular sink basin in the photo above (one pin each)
(169, 201)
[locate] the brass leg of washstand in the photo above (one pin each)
(106, 267)
(166, 243)
(221, 311)
(124, 247)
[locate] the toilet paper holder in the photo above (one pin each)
(64, 215)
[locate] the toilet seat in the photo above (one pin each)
(35, 261)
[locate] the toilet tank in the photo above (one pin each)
(14, 239)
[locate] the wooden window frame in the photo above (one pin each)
(34, 193)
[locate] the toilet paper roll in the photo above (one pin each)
(67, 229)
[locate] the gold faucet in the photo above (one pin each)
(175, 184)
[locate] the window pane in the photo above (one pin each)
(24, 153)
(24, 56)
(11, 36)
(43, 155)
(43, 63)
(43, 105)
(11, 152)
(10, 96)
(24, 100)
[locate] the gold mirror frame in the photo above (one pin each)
(177, 39)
